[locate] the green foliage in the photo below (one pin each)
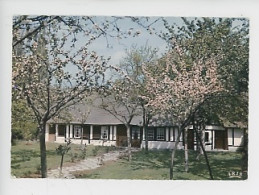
(63, 149)
(227, 39)
(74, 157)
(95, 150)
(24, 125)
(135, 59)
(83, 152)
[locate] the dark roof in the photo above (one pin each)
(92, 113)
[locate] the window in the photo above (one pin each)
(77, 131)
(160, 134)
(207, 138)
(61, 130)
(135, 132)
(104, 132)
(150, 134)
(52, 129)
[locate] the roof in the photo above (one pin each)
(93, 113)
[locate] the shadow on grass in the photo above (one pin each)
(221, 164)
(23, 155)
(226, 163)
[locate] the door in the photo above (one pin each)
(221, 141)
(52, 131)
(135, 137)
(121, 136)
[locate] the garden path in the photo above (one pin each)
(87, 164)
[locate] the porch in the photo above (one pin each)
(104, 135)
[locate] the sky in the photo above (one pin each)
(118, 46)
(111, 46)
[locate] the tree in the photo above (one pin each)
(62, 150)
(182, 88)
(121, 100)
(132, 64)
(229, 37)
(83, 111)
(49, 51)
(24, 125)
(41, 75)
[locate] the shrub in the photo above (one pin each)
(83, 153)
(74, 157)
(95, 150)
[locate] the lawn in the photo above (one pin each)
(154, 166)
(25, 157)
(25, 162)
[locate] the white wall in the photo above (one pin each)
(92, 142)
(60, 139)
(161, 145)
(238, 136)
(100, 143)
(230, 139)
(233, 149)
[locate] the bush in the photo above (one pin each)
(74, 157)
(83, 153)
(95, 150)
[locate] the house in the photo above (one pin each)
(96, 126)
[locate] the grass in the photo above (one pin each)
(25, 157)
(154, 166)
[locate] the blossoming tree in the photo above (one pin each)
(122, 101)
(51, 76)
(181, 88)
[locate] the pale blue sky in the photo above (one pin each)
(117, 49)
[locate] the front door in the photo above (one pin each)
(135, 137)
(121, 136)
(52, 130)
(221, 141)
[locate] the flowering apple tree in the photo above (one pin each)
(181, 88)
(52, 76)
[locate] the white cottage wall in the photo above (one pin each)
(238, 137)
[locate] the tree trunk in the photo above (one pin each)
(145, 129)
(82, 134)
(186, 156)
(244, 152)
(129, 143)
(202, 139)
(204, 152)
(146, 139)
(174, 152)
(43, 157)
(201, 133)
(61, 164)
